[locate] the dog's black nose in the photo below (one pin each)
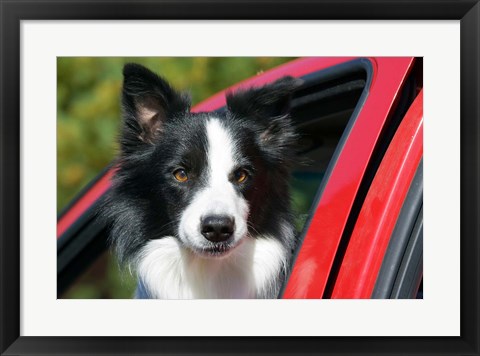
(217, 228)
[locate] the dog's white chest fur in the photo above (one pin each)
(170, 271)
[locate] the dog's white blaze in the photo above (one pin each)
(219, 197)
(171, 271)
(220, 154)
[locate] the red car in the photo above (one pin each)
(361, 221)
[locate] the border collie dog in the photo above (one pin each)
(200, 203)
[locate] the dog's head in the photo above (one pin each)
(209, 179)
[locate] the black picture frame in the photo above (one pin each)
(13, 12)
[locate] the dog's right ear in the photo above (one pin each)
(148, 101)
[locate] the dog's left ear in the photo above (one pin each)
(269, 106)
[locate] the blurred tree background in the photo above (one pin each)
(88, 120)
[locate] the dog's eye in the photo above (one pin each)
(240, 175)
(180, 175)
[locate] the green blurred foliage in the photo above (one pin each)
(88, 120)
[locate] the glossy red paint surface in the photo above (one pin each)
(314, 262)
(295, 68)
(377, 218)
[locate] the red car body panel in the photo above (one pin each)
(381, 208)
(315, 258)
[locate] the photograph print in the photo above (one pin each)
(240, 178)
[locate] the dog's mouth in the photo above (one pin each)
(216, 250)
